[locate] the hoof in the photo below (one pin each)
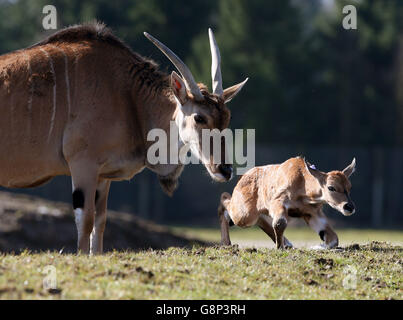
(288, 244)
(319, 247)
(225, 244)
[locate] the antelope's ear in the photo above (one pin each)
(231, 92)
(178, 87)
(348, 171)
(319, 175)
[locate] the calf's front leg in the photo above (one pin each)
(320, 224)
(265, 224)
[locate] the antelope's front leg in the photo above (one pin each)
(320, 224)
(84, 178)
(101, 199)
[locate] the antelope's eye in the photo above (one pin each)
(199, 119)
(333, 189)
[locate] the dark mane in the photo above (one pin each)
(143, 69)
(96, 31)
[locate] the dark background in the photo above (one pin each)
(315, 89)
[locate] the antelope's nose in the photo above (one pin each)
(349, 207)
(226, 171)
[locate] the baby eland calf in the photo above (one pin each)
(269, 195)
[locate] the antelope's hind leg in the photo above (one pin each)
(101, 199)
(265, 224)
(225, 220)
(84, 179)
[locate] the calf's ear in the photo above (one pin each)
(349, 170)
(318, 175)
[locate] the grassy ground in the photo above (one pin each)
(298, 236)
(372, 271)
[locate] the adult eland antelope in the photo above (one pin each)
(269, 195)
(81, 103)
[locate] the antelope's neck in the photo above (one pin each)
(162, 112)
(157, 110)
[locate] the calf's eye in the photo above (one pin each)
(331, 189)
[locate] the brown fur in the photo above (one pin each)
(81, 103)
(282, 191)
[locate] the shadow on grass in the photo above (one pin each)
(375, 246)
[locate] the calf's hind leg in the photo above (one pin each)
(278, 213)
(224, 219)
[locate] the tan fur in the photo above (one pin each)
(81, 103)
(282, 191)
